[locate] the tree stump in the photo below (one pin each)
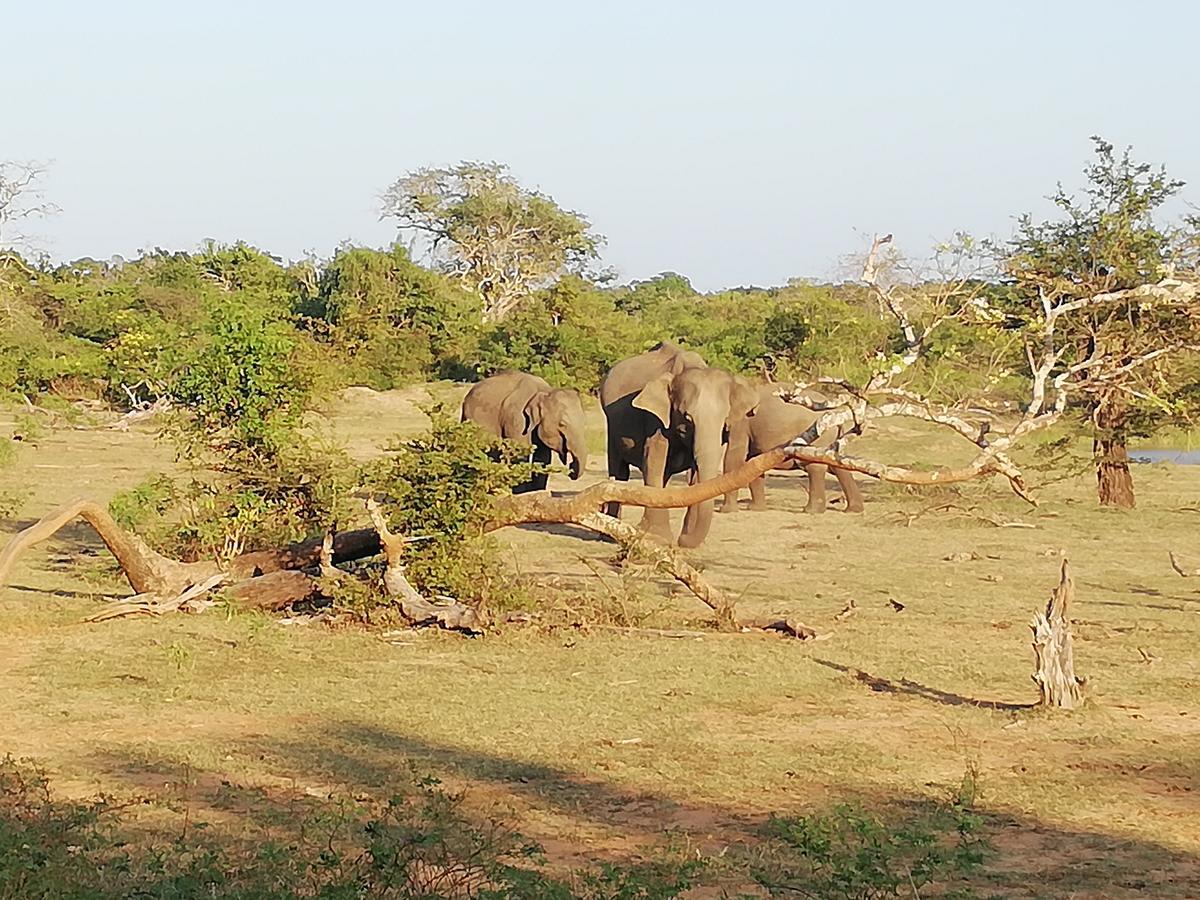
(1052, 650)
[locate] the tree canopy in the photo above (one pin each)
(501, 241)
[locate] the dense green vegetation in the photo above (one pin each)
(132, 331)
(423, 843)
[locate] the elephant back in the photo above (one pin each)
(632, 374)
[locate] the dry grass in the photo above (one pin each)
(1099, 803)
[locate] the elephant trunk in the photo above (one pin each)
(575, 445)
(707, 452)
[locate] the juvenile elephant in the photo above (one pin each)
(523, 407)
(667, 413)
(777, 423)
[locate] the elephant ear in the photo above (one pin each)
(687, 359)
(534, 412)
(655, 398)
(743, 399)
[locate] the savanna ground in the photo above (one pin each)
(605, 744)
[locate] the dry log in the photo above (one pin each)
(273, 591)
(148, 572)
(1054, 658)
(347, 546)
(665, 558)
(455, 616)
(791, 627)
(1178, 567)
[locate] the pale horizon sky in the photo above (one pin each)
(734, 143)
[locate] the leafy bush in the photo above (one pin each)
(257, 478)
(241, 386)
(569, 334)
(388, 320)
(418, 844)
(856, 855)
(440, 488)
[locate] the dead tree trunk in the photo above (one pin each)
(148, 572)
(1052, 648)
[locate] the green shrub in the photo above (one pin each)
(256, 478)
(418, 844)
(851, 854)
(570, 334)
(241, 384)
(388, 320)
(440, 488)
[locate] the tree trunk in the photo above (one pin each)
(1053, 653)
(1114, 483)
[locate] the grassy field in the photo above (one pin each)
(605, 744)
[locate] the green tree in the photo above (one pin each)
(501, 240)
(1131, 356)
(390, 320)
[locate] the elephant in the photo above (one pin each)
(522, 407)
(777, 423)
(668, 412)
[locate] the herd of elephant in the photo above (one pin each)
(667, 412)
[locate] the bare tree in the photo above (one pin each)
(21, 199)
(1058, 375)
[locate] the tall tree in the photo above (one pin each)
(501, 240)
(1133, 356)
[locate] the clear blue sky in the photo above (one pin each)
(736, 143)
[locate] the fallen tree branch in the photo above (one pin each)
(1178, 567)
(665, 558)
(148, 572)
(455, 616)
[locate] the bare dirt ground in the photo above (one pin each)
(602, 742)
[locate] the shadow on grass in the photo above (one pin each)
(915, 689)
(583, 819)
(572, 531)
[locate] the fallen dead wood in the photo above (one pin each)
(454, 615)
(347, 547)
(791, 627)
(1178, 567)
(665, 558)
(274, 591)
(148, 572)
(273, 579)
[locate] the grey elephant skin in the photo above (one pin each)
(777, 423)
(518, 406)
(668, 412)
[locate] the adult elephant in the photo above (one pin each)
(777, 423)
(522, 407)
(668, 412)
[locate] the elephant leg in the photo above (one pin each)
(654, 468)
(850, 489)
(758, 488)
(758, 493)
(537, 482)
(736, 454)
(618, 469)
(816, 487)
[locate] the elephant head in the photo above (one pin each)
(702, 411)
(554, 419)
